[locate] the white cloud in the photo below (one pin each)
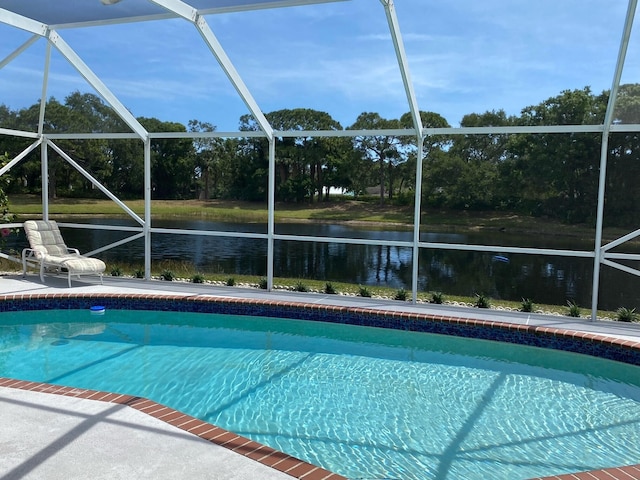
(464, 56)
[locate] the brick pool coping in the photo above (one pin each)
(243, 446)
(603, 346)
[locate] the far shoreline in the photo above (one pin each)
(355, 213)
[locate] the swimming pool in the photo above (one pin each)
(459, 408)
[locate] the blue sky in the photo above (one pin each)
(464, 57)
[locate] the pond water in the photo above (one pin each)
(544, 279)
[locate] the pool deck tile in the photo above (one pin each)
(21, 417)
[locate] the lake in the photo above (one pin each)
(544, 279)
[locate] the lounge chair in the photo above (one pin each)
(52, 254)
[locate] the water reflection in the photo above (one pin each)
(544, 279)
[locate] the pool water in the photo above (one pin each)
(362, 402)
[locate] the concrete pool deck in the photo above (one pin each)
(79, 434)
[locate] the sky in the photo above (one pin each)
(464, 56)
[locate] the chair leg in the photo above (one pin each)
(69, 279)
(42, 272)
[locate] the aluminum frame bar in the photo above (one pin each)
(401, 55)
(560, 129)
(209, 233)
(619, 266)
(232, 74)
(20, 156)
(114, 244)
(18, 133)
(44, 171)
(417, 210)
(271, 207)
(516, 250)
(95, 182)
(149, 16)
(45, 83)
(124, 241)
(622, 256)
(18, 51)
(93, 136)
(179, 8)
(192, 15)
(96, 83)
(23, 23)
(147, 209)
(621, 240)
(604, 152)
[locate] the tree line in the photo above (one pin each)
(550, 174)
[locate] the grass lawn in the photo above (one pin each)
(367, 213)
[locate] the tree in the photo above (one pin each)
(302, 161)
(172, 170)
(622, 197)
(207, 153)
(432, 147)
(561, 169)
(383, 150)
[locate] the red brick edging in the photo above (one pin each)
(280, 461)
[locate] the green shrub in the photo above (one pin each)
(437, 297)
(263, 284)
(116, 272)
(364, 292)
(624, 314)
(482, 301)
(231, 282)
(574, 309)
(526, 305)
(329, 289)
(401, 295)
(139, 273)
(197, 278)
(167, 275)
(300, 287)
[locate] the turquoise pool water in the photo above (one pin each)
(362, 402)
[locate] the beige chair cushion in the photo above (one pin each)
(80, 265)
(48, 245)
(45, 238)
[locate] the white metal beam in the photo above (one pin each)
(191, 14)
(44, 173)
(11, 18)
(147, 209)
(233, 75)
(264, 6)
(271, 212)
(95, 182)
(179, 8)
(96, 83)
(19, 50)
(621, 240)
(18, 133)
(401, 55)
(621, 267)
(396, 37)
(43, 95)
(20, 156)
(417, 209)
(604, 152)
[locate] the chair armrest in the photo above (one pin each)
(73, 250)
(29, 253)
